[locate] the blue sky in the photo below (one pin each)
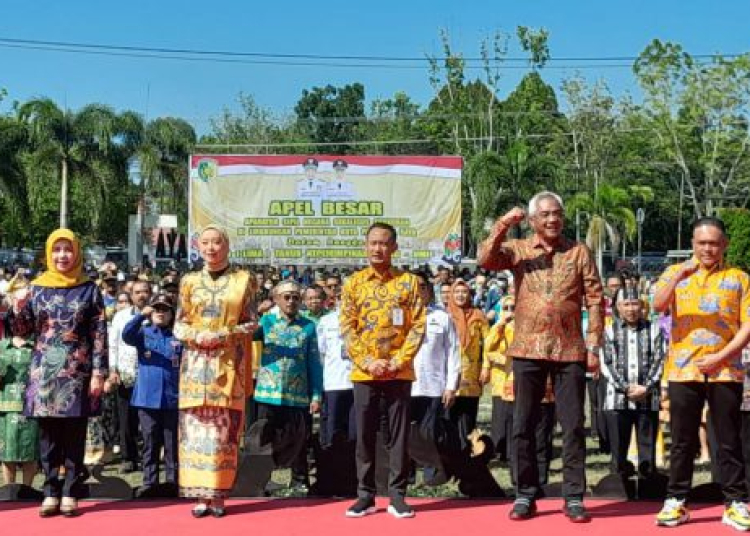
(197, 91)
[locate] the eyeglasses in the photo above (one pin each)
(290, 297)
(508, 308)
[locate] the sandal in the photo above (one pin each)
(217, 509)
(200, 510)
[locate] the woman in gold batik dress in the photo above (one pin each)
(215, 322)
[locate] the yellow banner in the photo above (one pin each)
(315, 210)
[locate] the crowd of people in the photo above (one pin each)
(163, 368)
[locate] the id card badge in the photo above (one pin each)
(397, 316)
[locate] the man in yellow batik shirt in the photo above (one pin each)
(710, 306)
(382, 323)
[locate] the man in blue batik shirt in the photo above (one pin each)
(290, 375)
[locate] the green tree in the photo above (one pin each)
(737, 221)
(332, 116)
(71, 141)
(609, 215)
(698, 114)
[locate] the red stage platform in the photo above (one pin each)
(313, 517)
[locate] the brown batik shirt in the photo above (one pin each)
(551, 289)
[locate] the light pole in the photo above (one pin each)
(640, 217)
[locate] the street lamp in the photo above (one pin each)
(640, 217)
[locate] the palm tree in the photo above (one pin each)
(609, 214)
(163, 154)
(13, 141)
(72, 141)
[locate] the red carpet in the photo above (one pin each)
(313, 517)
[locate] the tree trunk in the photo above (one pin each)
(64, 194)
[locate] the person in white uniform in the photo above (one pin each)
(337, 411)
(437, 366)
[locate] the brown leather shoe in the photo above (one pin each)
(50, 507)
(69, 507)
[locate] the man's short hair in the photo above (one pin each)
(710, 221)
(541, 196)
(144, 282)
(383, 225)
(316, 288)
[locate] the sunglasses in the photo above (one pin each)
(508, 308)
(290, 297)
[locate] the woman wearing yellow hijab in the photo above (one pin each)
(64, 313)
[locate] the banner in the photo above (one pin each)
(314, 210)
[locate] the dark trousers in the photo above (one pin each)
(337, 416)
(620, 428)
(285, 431)
(686, 402)
(62, 442)
(463, 413)
(299, 465)
(746, 444)
(530, 384)
(425, 411)
(501, 426)
(597, 390)
(543, 439)
(394, 396)
(128, 417)
(159, 429)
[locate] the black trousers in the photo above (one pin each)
(337, 416)
(530, 384)
(159, 429)
(394, 398)
(686, 400)
(62, 442)
(745, 436)
(501, 426)
(300, 469)
(543, 435)
(597, 391)
(284, 430)
(128, 417)
(620, 425)
(463, 413)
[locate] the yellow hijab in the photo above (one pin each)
(52, 277)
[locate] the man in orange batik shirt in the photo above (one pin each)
(710, 306)
(382, 323)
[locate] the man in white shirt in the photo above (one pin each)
(437, 366)
(123, 364)
(337, 412)
(310, 187)
(340, 189)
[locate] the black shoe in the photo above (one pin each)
(576, 512)
(399, 509)
(361, 508)
(200, 510)
(523, 508)
(218, 511)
